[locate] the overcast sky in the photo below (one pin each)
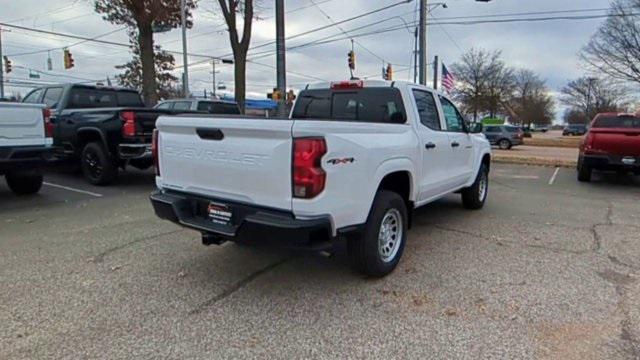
(548, 48)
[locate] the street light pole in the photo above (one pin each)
(213, 64)
(281, 58)
(185, 60)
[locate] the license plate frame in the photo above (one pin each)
(219, 213)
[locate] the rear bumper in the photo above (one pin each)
(249, 224)
(24, 157)
(611, 162)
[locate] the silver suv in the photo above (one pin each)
(504, 136)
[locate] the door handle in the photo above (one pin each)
(455, 144)
(210, 134)
(430, 146)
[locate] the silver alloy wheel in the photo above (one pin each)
(390, 235)
(483, 186)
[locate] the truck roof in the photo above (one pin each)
(365, 84)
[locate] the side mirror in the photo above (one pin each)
(475, 128)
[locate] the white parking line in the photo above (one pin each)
(72, 189)
(555, 175)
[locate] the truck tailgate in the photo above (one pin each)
(239, 159)
(21, 124)
(623, 142)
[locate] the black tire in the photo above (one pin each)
(97, 165)
(24, 183)
(365, 250)
(584, 172)
(504, 144)
(474, 197)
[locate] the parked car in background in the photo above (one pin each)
(612, 143)
(353, 161)
(504, 136)
(25, 145)
(574, 130)
(104, 129)
(208, 106)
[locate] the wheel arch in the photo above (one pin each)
(89, 134)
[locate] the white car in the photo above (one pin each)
(25, 145)
(354, 160)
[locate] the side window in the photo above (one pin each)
(164, 106)
(427, 109)
(52, 97)
(455, 121)
(492, 129)
(205, 106)
(313, 105)
(182, 105)
(34, 97)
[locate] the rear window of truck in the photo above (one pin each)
(620, 122)
(87, 98)
(377, 105)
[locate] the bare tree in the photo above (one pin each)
(615, 48)
(140, 16)
(240, 46)
(531, 101)
(471, 74)
(500, 85)
(591, 96)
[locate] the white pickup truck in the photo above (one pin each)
(352, 161)
(26, 138)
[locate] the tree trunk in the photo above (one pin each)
(240, 73)
(147, 59)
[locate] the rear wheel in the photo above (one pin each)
(584, 171)
(475, 196)
(97, 165)
(24, 183)
(504, 144)
(378, 249)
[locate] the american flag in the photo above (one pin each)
(448, 80)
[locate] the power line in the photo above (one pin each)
(68, 46)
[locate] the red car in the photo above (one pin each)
(612, 143)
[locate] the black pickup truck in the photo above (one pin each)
(104, 129)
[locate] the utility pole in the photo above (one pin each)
(415, 57)
(185, 60)
(281, 59)
(213, 64)
(436, 62)
(423, 42)
(1, 68)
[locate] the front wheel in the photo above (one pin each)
(24, 183)
(475, 196)
(378, 249)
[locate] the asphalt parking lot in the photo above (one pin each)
(549, 269)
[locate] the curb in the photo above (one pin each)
(531, 160)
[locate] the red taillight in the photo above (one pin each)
(351, 84)
(129, 123)
(48, 125)
(154, 151)
(308, 177)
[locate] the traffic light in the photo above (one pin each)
(68, 60)
(352, 60)
(389, 72)
(7, 65)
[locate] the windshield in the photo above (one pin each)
(621, 122)
(380, 105)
